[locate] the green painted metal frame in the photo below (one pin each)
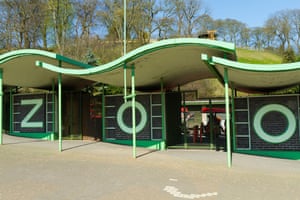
(256, 67)
(227, 108)
(212, 67)
(133, 105)
(59, 110)
(28, 52)
(133, 112)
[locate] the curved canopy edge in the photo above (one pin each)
(146, 49)
(258, 77)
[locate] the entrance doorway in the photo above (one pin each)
(203, 124)
(82, 117)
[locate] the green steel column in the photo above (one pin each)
(233, 119)
(163, 113)
(125, 82)
(133, 112)
(228, 142)
(1, 105)
(59, 111)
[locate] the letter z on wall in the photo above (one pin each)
(31, 113)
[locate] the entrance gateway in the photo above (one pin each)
(252, 124)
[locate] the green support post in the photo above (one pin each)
(228, 142)
(1, 106)
(133, 112)
(125, 82)
(132, 96)
(59, 111)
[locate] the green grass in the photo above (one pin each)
(257, 57)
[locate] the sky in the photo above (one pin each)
(251, 12)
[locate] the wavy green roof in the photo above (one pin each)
(258, 77)
(19, 69)
(175, 61)
(145, 50)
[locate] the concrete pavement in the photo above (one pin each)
(86, 170)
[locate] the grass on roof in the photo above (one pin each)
(258, 57)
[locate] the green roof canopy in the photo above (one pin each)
(258, 77)
(19, 69)
(173, 61)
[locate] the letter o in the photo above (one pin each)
(121, 122)
(284, 136)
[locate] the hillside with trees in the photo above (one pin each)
(92, 30)
(213, 88)
(76, 27)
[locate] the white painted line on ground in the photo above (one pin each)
(176, 193)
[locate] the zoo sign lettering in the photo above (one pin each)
(26, 123)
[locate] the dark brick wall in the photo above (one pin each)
(43, 114)
(113, 131)
(274, 123)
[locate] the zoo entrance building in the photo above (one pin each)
(147, 114)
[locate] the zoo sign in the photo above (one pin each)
(32, 113)
(120, 117)
(283, 136)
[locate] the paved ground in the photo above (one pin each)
(35, 170)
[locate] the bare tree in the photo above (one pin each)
(111, 16)
(295, 29)
(24, 21)
(258, 38)
(144, 19)
(187, 15)
(230, 30)
(62, 16)
(6, 27)
(279, 25)
(86, 16)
